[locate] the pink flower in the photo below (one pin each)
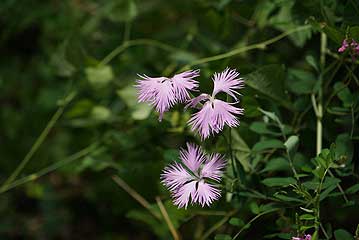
(344, 46)
(215, 113)
(163, 93)
(353, 47)
(189, 181)
(306, 237)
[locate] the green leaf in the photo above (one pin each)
(306, 217)
(263, 11)
(139, 111)
(354, 32)
(279, 235)
(300, 81)
(267, 144)
(291, 144)
(344, 94)
(330, 181)
(243, 158)
(326, 192)
(344, 149)
(351, 16)
(276, 164)
(279, 181)
(269, 80)
(99, 76)
(253, 206)
(353, 189)
(183, 57)
(236, 222)
(312, 62)
(80, 108)
(262, 128)
(100, 113)
(342, 234)
(334, 34)
(222, 237)
(251, 105)
(121, 11)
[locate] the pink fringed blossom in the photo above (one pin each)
(305, 237)
(190, 180)
(215, 113)
(163, 92)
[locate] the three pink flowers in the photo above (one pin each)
(195, 179)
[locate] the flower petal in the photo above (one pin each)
(184, 194)
(183, 83)
(206, 193)
(213, 167)
(174, 176)
(213, 117)
(156, 91)
(195, 101)
(147, 88)
(227, 81)
(201, 120)
(193, 157)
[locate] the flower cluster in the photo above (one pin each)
(352, 46)
(195, 178)
(305, 237)
(163, 93)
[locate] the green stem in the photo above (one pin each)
(219, 224)
(252, 220)
(339, 187)
(236, 51)
(38, 141)
(136, 42)
(319, 106)
(50, 168)
(231, 153)
(317, 203)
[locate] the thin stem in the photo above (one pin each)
(136, 42)
(252, 220)
(39, 141)
(353, 121)
(236, 51)
(317, 202)
(325, 232)
(84, 152)
(127, 32)
(219, 224)
(336, 56)
(339, 187)
(292, 167)
(141, 200)
(234, 169)
(163, 210)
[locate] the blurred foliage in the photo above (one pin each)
(92, 50)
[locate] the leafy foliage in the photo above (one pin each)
(70, 118)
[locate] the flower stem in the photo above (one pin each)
(80, 154)
(234, 169)
(236, 51)
(38, 141)
(136, 42)
(167, 218)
